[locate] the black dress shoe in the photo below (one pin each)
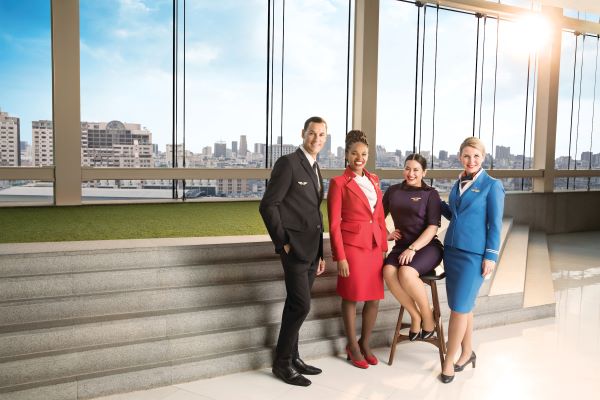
(290, 376)
(304, 368)
(472, 360)
(412, 336)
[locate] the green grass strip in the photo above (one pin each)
(131, 221)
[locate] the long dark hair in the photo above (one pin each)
(418, 158)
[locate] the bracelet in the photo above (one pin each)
(413, 248)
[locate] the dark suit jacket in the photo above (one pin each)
(290, 207)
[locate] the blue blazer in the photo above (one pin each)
(476, 217)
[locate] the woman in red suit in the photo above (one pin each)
(358, 243)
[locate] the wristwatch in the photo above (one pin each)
(413, 248)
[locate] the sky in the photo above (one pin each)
(126, 72)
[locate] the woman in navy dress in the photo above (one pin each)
(415, 209)
(471, 248)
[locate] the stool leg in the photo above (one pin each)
(396, 335)
(441, 342)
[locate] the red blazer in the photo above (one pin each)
(351, 221)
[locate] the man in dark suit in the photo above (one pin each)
(291, 211)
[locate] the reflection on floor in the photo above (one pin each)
(553, 358)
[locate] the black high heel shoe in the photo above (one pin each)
(412, 336)
(427, 334)
(446, 378)
(472, 359)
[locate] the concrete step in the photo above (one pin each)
(72, 257)
(80, 283)
(509, 276)
(56, 367)
(86, 386)
(123, 329)
(539, 289)
(152, 300)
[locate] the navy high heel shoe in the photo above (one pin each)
(472, 359)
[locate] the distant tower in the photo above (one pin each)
(220, 149)
(243, 150)
(234, 147)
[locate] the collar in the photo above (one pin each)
(310, 158)
(349, 174)
(460, 175)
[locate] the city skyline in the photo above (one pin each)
(126, 72)
(42, 147)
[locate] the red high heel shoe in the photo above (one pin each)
(370, 359)
(357, 363)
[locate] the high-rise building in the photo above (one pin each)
(220, 149)
(10, 137)
(502, 153)
(341, 153)
(243, 150)
(327, 147)
(207, 151)
(25, 153)
(259, 148)
(112, 144)
(443, 155)
(278, 150)
(116, 144)
(42, 145)
(234, 147)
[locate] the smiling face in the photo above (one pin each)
(413, 173)
(471, 159)
(357, 156)
(314, 137)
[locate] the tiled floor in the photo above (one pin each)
(557, 358)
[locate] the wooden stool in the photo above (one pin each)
(438, 338)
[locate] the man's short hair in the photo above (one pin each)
(316, 120)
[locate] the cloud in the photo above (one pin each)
(201, 53)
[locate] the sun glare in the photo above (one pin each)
(531, 33)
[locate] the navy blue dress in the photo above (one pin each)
(414, 209)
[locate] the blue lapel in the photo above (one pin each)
(473, 191)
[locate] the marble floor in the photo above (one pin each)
(553, 358)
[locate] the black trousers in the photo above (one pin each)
(299, 278)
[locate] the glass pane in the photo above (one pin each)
(25, 82)
(449, 105)
(26, 191)
(126, 83)
(125, 189)
(315, 73)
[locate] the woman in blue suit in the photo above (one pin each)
(471, 249)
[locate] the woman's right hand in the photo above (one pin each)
(343, 268)
(394, 235)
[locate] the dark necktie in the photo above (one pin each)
(316, 169)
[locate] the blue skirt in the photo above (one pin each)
(463, 278)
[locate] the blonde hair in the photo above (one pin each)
(473, 142)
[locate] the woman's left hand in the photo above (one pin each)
(487, 267)
(406, 257)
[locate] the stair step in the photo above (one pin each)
(539, 289)
(510, 272)
(69, 307)
(89, 258)
(57, 285)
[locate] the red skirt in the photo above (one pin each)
(365, 281)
